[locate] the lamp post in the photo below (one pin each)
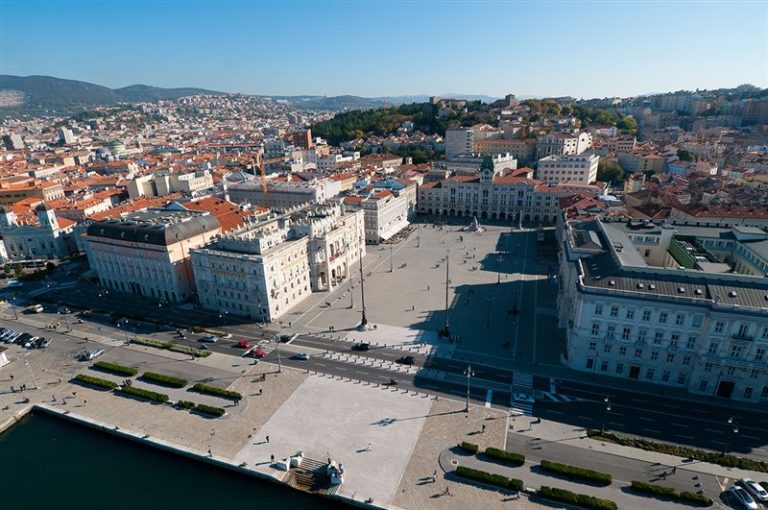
(469, 373)
(223, 315)
(29, 367)
(124, 326)
(391, 263)
(607, 402)
(363, 320)
(733, 429)
(446, 331)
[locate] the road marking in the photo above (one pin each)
(585, 418)
(684, 437)
(749, 437)
(488, 397)
(554, 412)
(718, 442)
(321, 365)
(341, 369)
(714, 430)
(643, 418)
(359, 372)
(679, 425)
(617, 413)
(652, 430)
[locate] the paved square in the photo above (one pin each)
(332, 418)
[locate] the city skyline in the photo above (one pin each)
(416, 48)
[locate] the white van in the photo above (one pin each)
(38, 308)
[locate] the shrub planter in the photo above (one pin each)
(576, 473)
(145, 394)
(95, 382)
(218, 412)
(573, 498)
(114, 368)
(490, 478)
(513, 459)
(164, 380)
(185, 404)
(217, 392)
(159, 344)
(668, 493)
(469, 447)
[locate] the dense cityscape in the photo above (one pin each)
(416, 302)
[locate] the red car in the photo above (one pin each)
(243, 344)
(257, 353)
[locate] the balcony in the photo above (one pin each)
(742, 338)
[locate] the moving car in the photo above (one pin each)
(361, 347)
(243, 344)
(406, 360)
(210, 339)
(523, 397)
(742, 498)
(90, 355)
(754, 489)
(257, 353)
(301, 355)
(38, 308)
(288, 338)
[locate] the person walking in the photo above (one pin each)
(483, 430)
(267, 439)
(272, 458)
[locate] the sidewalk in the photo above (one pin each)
(567, 434)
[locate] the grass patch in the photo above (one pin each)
(145, 394)
(95, 382)
(490, 478)
(681, 451)
(513, 459)
(573, 498)
(169, 346)
(469, 447)
(218, 412)
(216, 392)
(114, 368)
(576, 473)
(164, 380)
(659, 491)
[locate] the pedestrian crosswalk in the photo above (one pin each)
(39, 292)
(554, 397)
(112, 342)
(522, 384)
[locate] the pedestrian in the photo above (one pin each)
(85, 402)
(11, 377)
(427, 288)
(261, 390)
(434, 476)
(272, 458)
(674, 469)
(369, 447)
(483, 427)
(267, 439)
(74, 394)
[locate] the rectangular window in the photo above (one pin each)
(638, 353)
(765, 332)
(646, 315)
(681, 379)
(731, 370)
(663, 317)
(759, 354)
(754, 374)
(595, 328)
(641, 336)
(592, 346)
(607, 348)
(719, 326)
(620, 369)
(686, 360)
(658, 337)
(614, 311)
(696, 321)
(674, 339)
(625, 333)
(631, 314)
(713, 348)
(679, 319)
(623, 350)
(670, 358)
(611, 331)
(665, 376)
(654, 355)
(736, 351)
(708, 367)
(598, 309)
(703, 385)
(590, 363)
(649, 373)
(604, 366)
(691, 343)
(747, 392)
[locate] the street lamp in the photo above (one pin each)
(363, 320)
(605, 414)
(224, 316)
(733, 427)
(469, 373)
(123, 324)
(391, 264)
(31, 373)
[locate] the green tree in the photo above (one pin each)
(684, 155)
(50, 267)
(609, 171)
(17, 270)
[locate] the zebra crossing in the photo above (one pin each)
(522, 382)
(554, 397)
(112, 342)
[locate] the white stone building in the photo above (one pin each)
(563, 144)
(386, 213)
(50, 239)
(147, 253)
(580, 169)
(284, 194)
(633, 309)
(165, 182)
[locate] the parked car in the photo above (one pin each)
(288, 338)
(361, 347)
(755, 489)
(210, 339)
(32, 342)
(243, 344)
(742, 498)
(44, 342)
(301, 355)
(406, 360)
(257, 353)
(523, 397)
(65, 310)
(10, 336)
(90, 355)
(22, 338)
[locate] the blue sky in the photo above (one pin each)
(370, 48)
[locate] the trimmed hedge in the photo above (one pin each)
(145, 394)
(515, 459)
(670, 493)
(583, 500)
(682, 451)
(169, 346)
(95, 381)
(210, 410)
(165, 380)
(575, 472)
(490, 478)
(114, 368)
(469, 447)
(185, 404)
(216, 392)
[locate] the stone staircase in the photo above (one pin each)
(311, 477)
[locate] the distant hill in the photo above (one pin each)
(47, 95)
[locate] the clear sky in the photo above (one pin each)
(377, 48)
